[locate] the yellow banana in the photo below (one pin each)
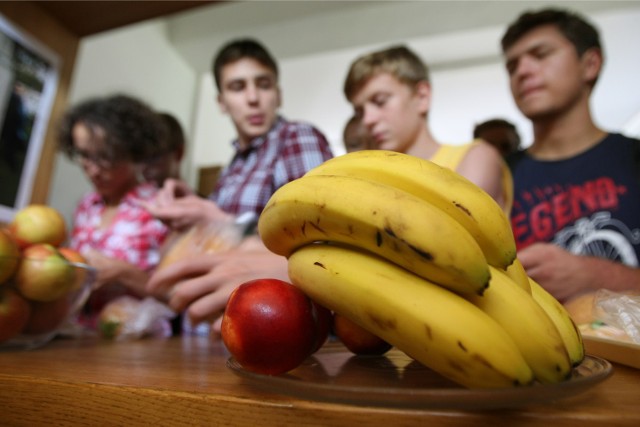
(566, 326)
(433, 325)
(467, 203)
(518, 274)
(528, 325)
(379, 218)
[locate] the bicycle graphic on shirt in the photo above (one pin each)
(588, 236)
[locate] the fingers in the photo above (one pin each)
(189, 292)
(216, 328)
(209, 307)
(164, 279)
(173, 189)
(178, 214)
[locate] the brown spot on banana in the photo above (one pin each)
(429, 332)
(423, 254)
(319, 264)
(463, 209)
(316, 226)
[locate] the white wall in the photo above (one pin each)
(469, 82)
(156, 62)
(139, 61)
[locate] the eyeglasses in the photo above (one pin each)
(101, 160)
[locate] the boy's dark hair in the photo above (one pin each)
(493, 123)
(582, 34)
(240, 49)
(133, 131)
(175, 133)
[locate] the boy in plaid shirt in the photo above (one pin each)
(269, 152)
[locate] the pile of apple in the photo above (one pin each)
(37, 274)
(270, 327)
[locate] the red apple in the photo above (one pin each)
(44, 274)
(14, 313)
(47, 316)
(324, 324)
(269, 326)
(357, 339)
(38, 224)
(9, 254)
(76, 257)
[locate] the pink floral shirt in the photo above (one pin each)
(134, 236)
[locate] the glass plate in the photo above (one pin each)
(395, 380)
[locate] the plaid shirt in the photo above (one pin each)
(285, 153)
(134, 236)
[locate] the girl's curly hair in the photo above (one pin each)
(132, 130)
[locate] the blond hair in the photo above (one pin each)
(399, 61)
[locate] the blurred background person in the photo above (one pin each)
(167, 163)
(269, 151)
(110, 138)
(355, 136)
(500, 133)
(576, 210)
(390, 92)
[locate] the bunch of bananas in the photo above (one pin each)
(423, 258)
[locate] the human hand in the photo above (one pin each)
(173, 189)
(560, 272)
(106, 268)
(112, 270)
(201, 285)
(186, 210)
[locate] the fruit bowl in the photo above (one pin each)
(40, 299)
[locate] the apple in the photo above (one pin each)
(44, 274)
(357, 339)
(47, 316)
(9, 254)
(76, 257)
(14, 313)
(324, 324)
(269, 326)
(38, 224)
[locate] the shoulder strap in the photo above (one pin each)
(450, 156)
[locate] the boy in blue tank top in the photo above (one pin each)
(576, 210)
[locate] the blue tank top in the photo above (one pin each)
(588, 204)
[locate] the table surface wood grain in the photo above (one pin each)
(185, 381)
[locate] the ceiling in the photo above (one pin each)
(84, 18)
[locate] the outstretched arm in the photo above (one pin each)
(178, 207)
(566, 275)
(201, 285)
(112, 270)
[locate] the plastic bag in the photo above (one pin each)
(128, 318)
(201, 238)
(620, 310)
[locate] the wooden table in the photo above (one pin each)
(185, 381)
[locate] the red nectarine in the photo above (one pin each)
(357, 339)
(269, 326)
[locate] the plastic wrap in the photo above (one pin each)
(128, 318)
(201, 238)
(619, 310)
